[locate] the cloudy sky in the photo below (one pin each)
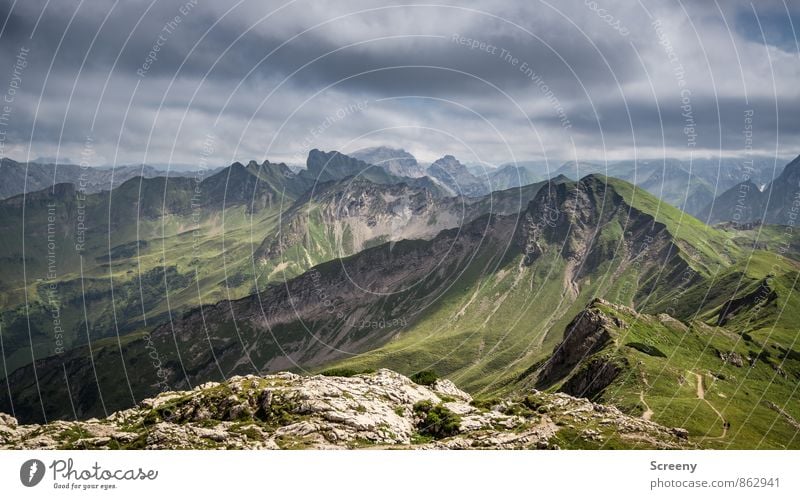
(159, 81)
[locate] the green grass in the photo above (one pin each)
(494, 321)
(156, 263)
(669, 385)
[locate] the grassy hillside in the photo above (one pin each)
(500, 317)
(148, 249)
(729, 389)
(492, 305)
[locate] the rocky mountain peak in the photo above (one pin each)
(567, 214)
(449, 163)
(396, 161)
(333, 165)
(588, 224)
(279, 169)
(451, 173)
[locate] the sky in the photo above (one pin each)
(199, 82)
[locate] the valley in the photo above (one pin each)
(590, 286)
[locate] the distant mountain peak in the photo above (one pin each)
(450, 172)
(450, 164)
(791, 168)
(333, 165)
(748, 202)
(447, 159)
(396, 161)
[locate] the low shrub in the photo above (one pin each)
(426, 378)
(345, 372)
(437, 421)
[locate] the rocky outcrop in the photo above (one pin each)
(583, 365)
(396, 161)
(586, 334)
(383, 409)
(732, 358)
(594, 376)
(455, 176)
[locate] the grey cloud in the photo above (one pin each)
(583, 66)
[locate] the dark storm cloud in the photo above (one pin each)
(601, 67)
(562, 51)
(717, 125)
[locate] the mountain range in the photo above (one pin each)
(592, 287)
(691, 185)
(34, 176)
(777, 202)
(688, 185)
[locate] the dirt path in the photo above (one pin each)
(648, 413)
(701, 394)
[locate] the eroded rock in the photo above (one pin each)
(382, 409)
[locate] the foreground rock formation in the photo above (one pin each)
(378, 410)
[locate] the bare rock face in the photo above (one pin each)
(395, 161)
(586, 334)
(383, 409)
(594, 377)
(455, 176)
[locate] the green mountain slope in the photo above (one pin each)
(728, 388)
(480, 302)
(490, 305)
(91, 266)
(574, 242)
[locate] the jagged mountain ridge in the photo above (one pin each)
(341, 218)
(328, 313)
(395, 161)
